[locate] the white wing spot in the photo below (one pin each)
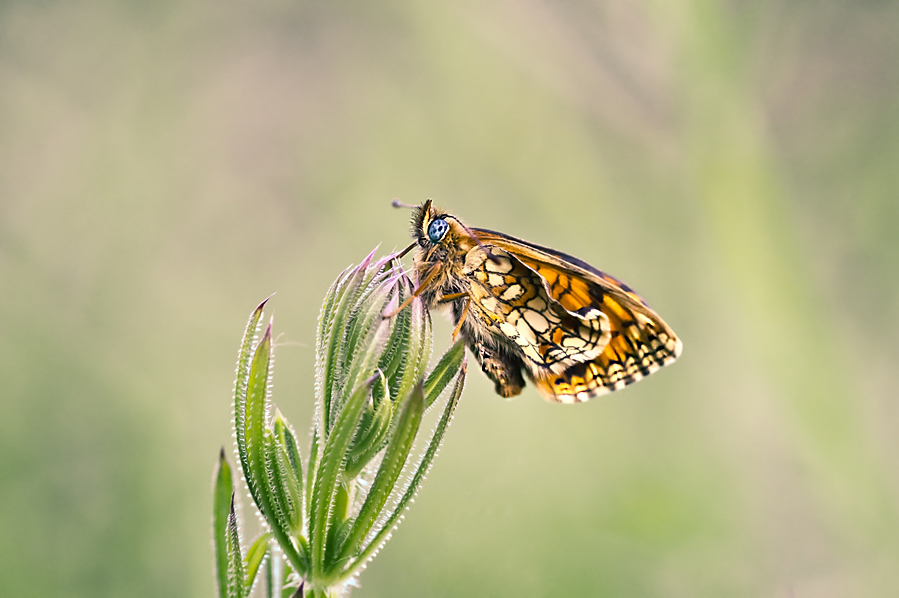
(536, 321)
(495, 280)
(512, 293)
(489, 303)
(537, 303)
(502, 265)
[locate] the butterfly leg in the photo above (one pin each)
(449, 299)
(461, 319)
(501, 367)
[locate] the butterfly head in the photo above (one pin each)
(439, 236)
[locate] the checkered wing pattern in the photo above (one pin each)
(515, 300)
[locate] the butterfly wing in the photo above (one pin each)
(639, 342)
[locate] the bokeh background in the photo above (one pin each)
(166, 165)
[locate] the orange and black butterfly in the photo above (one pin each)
(577, 332)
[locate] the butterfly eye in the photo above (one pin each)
(437, 230)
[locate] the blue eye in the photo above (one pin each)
(437, 230)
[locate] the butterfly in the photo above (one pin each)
(574, 331)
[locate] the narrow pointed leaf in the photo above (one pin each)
(331, 366)
(314, 448)
(252, 416)
(255, 457)
(444, 372)
(324, 334)
(363, 319)
(235, 561)
(395, 350)
(336, 537)
(288, 489)
(368, 304)
(419, 350)
(408, 421)
(341, 506)
(280, 506)
(366, 350)
(240, 385)
(330, 466)
(246, 346)
(290, 445)
(325, 316)
(421, 471)
(254, 464)
(374, 439)
(255, 557)
(224, 488)
(367, 334)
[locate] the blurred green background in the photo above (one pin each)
(164, 166)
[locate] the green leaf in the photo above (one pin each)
(293, 451)
(368, 304)
(314, 448)
(255, 556)
(394, 355)
(331, 365)
(224, 489)
(330, 466)
(369, 443)
(408, 421)
(281, 506)
(289, 467)
(419, 348)
(338, 530)
(366, 341)
(325, 316)
(444, 372)
(430, 452)
(340, 508)
(354, 316)
(255, 455)
(235, 561)
(240, 385)
(254, 461)
(324, 335)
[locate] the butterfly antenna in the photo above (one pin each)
(398, 204)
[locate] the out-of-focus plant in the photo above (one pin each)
(328, 515)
